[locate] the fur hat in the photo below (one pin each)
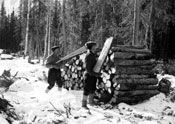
(89, 44)
(54, 48)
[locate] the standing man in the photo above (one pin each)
(90, 77)
(54, 73)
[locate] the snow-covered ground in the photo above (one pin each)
(36, 107)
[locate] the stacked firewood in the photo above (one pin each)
(72, 74)
(127, 76)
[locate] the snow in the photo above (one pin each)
(35, 106)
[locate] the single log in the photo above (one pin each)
(77, 62)
(105, 75)
(131, 55)
(143, 56)
(124, 55)
(131, 47)
(131, 100)
(143, 81)
(135, 93)
(103, 54)
(128, 87)
(113, 70)
(108, 84)
(141, 70)
(135, 76)
(124, 62)
(66, 77)
(125, 49)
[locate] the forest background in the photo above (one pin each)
(40, 24)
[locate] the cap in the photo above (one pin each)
(89, 44)
(54, 48)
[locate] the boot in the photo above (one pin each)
(47, 90)
(59, 89)
(84, 102)
(91, 99)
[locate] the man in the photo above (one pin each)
(54, 73)
(90, 77)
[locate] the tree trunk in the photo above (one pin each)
(136, 22)
(74, 41)
(46, 41)
(102, 23)
(64, 29)
(27, 30)
(49, 30)
(30, 49)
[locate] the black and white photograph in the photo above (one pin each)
(87, 61)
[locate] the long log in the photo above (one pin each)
(128, 87)
(124, 55)
(131, 47)
(140, 56)
(135, 93)
(103, 54)
(143, 81)
(125, 49)
(135, 76)
(73, 54)
(124, 62)
(128, 55)
(140, 70)
(130, 100)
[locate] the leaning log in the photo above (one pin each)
(73, 54)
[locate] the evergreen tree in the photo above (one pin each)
(3, 19)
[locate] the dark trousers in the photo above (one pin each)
(89, 84)
(54, 76)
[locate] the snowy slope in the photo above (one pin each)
(36, 107)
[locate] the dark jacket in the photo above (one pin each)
(90, 61)
(51, 61)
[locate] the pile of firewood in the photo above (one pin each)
(72, 74)
(127, 76)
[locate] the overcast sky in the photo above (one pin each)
(10, 5)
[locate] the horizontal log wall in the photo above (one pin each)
(134, 79)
